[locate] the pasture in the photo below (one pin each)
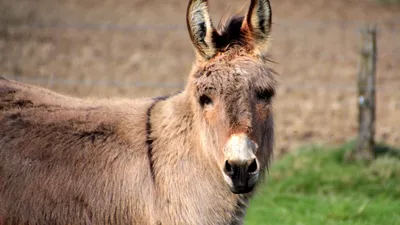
(314, 185)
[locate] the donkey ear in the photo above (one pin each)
(200, 28)
(257, 23)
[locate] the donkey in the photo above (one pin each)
(191, 158)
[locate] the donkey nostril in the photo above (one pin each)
(228, 167)
(252, 167)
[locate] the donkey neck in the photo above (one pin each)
(172, 131)
(187, 182)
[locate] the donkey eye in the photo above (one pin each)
(204, 100)
(265, 95)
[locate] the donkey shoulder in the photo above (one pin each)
(46, 137)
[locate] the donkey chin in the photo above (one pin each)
(241, 168)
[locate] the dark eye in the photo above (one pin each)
(204, 100)
(265, 95)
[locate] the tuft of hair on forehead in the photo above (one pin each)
(230, 32)
(235, 61)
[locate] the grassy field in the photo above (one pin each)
(316, 186)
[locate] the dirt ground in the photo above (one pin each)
(145, 48)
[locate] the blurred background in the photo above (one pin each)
(141, 48)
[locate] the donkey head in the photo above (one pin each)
(231, 90)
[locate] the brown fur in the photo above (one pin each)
(66, 160)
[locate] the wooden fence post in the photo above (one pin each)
(366, 96)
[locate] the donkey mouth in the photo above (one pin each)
(241, 190)
(241, 183)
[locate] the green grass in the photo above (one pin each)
(316, 186)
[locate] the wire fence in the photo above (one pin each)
(54, 80)
(394, 29)
(392, 26)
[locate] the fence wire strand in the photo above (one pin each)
(284, 24)
(41, 80)
(392, 25)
